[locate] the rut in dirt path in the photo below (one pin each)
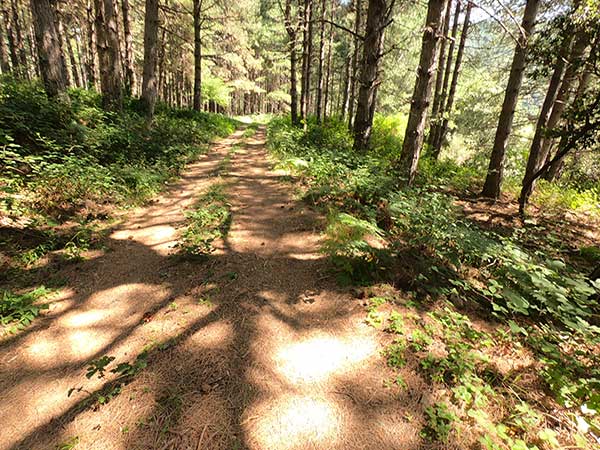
(255, 347)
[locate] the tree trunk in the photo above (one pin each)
(4, 62)
(378, 14)
(91, 53)
(413, 138)
(306, 57)
(534, 160)
(449, 103)
(149, 87)
(60, 30)
(566, 90)
(33, 50)
(81, 66)
(555, 168)
(48, 47)
(292, 32)
(326, 108)
(20, 40)
(10, 36)
(355, 60)
(73, 61)
(111, 78)
(129, 72)
(320, 73)
(439, 78)
(345, 97)
(197, 55)
(435, 137)
(493, 181)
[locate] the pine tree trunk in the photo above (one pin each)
(449, 102)
(439, 78)
(72, 61)
(320, 73)
(535, 160)
(377, 20)
(355, 59)
(566, 90)
(78, 40)
(435, 137)
(493, 181)
(61, 32)
(345, 97)
(91, 50)
(10, 36)
(149, 85)
(413, 138)
(326, 99)
(306, 57)
(292, 33)
(197, 55)
(48, 46)
(20, 40)
(111, 78)
(4, 62)
(555, 168)
(129, 72)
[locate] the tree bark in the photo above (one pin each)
(111, 78)
(326, 108)
(449, 102)
(306, 57)
(355, 60)
(535, 160)
(91, 43)
(292, 32)
(440, 75)
(129, 71)
(413, 138)
(20, 40)
(60, 30)
(493, 181)
(555, 168)
(11, 39)
(378, 15)
(48, 47)
(197, 55)
(149, 85)
(320, 73)
(4, 62)
(72, 61)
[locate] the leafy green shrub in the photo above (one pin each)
(347, 244)
(439, 423)
(208, 220)
(19, 310)
(63, 156)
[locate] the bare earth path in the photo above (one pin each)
(254, 348)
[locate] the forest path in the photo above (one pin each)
(254, 347)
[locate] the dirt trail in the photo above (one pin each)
(255, 347)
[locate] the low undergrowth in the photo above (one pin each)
(64, 167)
(18, 310)
(418, 239)
(208, 220)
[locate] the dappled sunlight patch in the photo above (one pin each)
(321, 356)
(294, 422)
(84, 318)
(216, 334)
(84, 343)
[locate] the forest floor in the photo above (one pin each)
(254, 346)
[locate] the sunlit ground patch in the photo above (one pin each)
(294, 422)
(321, 356)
